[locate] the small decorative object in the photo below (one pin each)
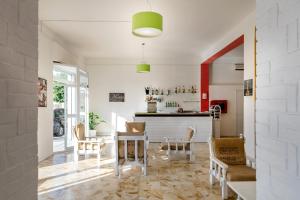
(157, 92)
(179, 89)
(176, 90)
(42, 92)
(94, 121)
(147, 90)
(169, 92)
(183, 89)
(180, 110)
(162, 92)
(248, 87)
(116, 97)
(152, 107)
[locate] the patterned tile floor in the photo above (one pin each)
(168, 179)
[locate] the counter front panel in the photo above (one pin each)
(158, 127)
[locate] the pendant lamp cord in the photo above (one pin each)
(143, 53)
(149, 4)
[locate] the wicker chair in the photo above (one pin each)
(131, 146)
(228, 162)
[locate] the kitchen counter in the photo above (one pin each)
(174, 125)
(173, 114)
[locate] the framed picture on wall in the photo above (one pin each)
(42, 92)
(248, 87)
(116, 97)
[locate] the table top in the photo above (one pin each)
(245, 189)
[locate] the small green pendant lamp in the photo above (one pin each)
(143, 67)
(147, 24)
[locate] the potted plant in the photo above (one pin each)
(94, 121)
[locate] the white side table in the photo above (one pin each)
(246, 190)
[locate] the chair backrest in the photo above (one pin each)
(79, 131)
(135, 127)
(229, 150)
(190, 133)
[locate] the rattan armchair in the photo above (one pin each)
(228, 162)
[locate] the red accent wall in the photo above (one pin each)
(204, 87)
(205, 70)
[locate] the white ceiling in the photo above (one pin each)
(190, 26)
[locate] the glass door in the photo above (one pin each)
(75, 83)
(83, 99)
(70, 114)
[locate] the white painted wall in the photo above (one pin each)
(278, 100)
(123, 78)
(50, 49)
(222, 72)
(18, 100)
(246, 27)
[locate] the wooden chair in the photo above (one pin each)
(131, 147)
(180, 144)
(228, 162)
(86, 145)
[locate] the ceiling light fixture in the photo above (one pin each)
(147, 23)
(143, 67)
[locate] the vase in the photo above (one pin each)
(92, 133)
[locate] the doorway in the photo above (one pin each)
(226, 84)
(70, 100)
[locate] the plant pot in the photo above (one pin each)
(92, 133)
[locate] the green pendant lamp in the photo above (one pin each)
(147, 23)
(143, 67)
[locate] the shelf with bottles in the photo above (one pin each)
(177, 90)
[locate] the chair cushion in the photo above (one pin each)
(230, 150)
(135, 127)
(241, 173)
(79, 131)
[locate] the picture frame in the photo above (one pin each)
(42, 92)
(116, 97)
(248, 87)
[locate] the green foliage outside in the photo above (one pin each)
(94, 120)
(58, 93)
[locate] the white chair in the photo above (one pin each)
(180, 144)
(131, 147)
(84, 145)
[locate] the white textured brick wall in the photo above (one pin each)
(278, 99)
(18, 101)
